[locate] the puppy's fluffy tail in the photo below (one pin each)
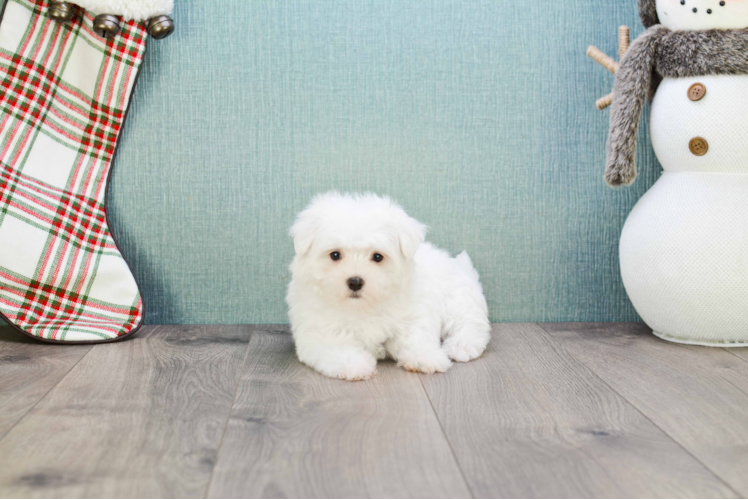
(466, 265)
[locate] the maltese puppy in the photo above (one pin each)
(365, 285)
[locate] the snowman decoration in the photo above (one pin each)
(684, 247)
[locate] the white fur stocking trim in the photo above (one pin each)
(138, 10)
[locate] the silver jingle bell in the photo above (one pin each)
(160, 27)
(62, 12)
(106, 25)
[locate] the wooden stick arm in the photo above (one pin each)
(624, 41)
(607, 62)
(602, 59)
(604, 102)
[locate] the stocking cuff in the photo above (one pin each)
(138, 10)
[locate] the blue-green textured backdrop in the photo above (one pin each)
(477, 115)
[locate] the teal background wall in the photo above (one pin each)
(477, 115)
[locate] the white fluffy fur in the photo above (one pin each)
(420, 306)
(138, 10)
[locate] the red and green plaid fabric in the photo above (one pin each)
(64, 92)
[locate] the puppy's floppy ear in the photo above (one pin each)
(303, 232)
(411, 234)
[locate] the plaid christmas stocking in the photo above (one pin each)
(64, 93)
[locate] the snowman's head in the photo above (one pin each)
(698, 15)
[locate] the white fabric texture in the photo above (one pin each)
(137, 10)
(684, 248)
(684, 258)
(720, 117)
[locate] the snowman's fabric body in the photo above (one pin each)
(684, 248)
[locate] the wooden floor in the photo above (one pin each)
(562, 410)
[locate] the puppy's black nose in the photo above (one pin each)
(355, 283)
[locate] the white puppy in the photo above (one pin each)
(365, 285)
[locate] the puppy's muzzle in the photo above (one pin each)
(355, 283)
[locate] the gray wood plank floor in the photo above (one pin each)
(293, 433)
(562, 410)
(28, 371)
(697, 395)
(139, 418)
(536, 423)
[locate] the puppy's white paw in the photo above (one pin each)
(431, 361)
(464, 349)
(353, 365)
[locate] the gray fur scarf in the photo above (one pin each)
(660, 52)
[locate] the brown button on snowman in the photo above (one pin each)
(684, 247)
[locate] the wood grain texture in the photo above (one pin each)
(697, 395)
(527, 420)
(28, 370)
(142, 418)
(741, 352)
(295, 433)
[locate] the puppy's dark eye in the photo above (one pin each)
(377, 257)
(335, 256)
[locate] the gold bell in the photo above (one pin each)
(160, 27)
(62, 12)
(106, 25)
